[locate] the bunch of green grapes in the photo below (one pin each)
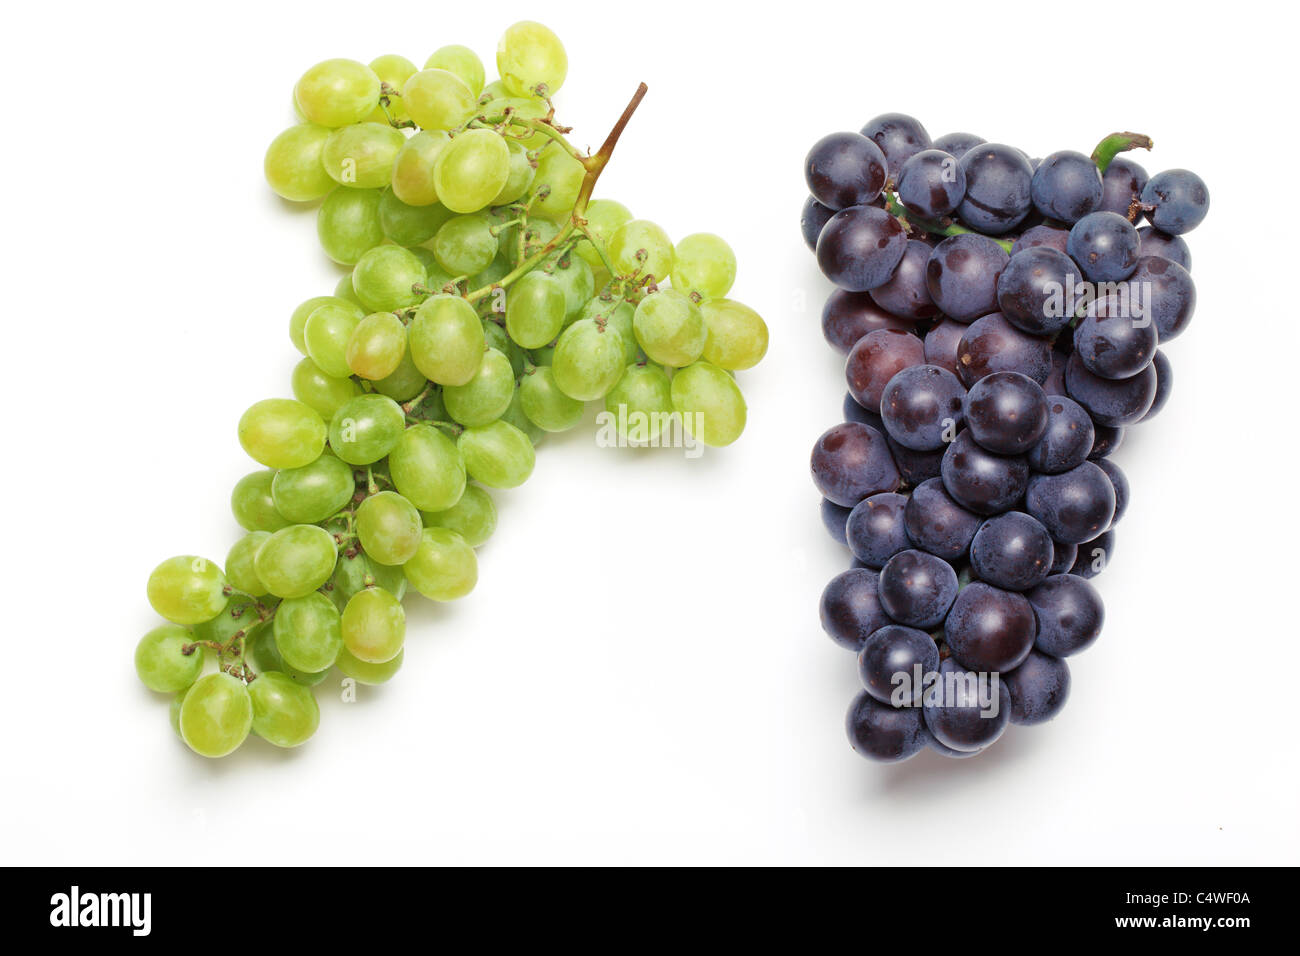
(488, 300)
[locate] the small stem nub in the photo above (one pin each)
(1117, 143)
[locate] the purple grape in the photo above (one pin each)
(992, 344)
(1033, 288)
(1063, 556)
(851, 462)
(848, 316)
(997, 188)
(811, 219)
(1168, 293)
(860, 247)
(937, 524)
(981, 481)
(1006, 412)
(1012, 551)
(1110, 401)
(958, 144)
(853, 412)
(1066, 186)
(1153, 242)
(915, 466)
(1055, 381)
(845, 169)
(1094, 555)
(931, 184)
(850, 608)
(962, 276)
(1069, 613)
(922, 407)
(1118, 481)
(1121, 186)
(1105, 245)
(941, 344)
(1164, 384)
(990, 629)
(1181, 200)
(917, 588)
(1112, 341)
(1074, 506)
(894, 650)
(971, 713)
(874, 530)
(899, 136)
(1037, 237)
(1038, 688)
(1066, 441)
(883, 733)
(875, 359)
(1106, 440)
(835, 517)
(906, 295)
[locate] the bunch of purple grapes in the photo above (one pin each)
(1002, 318)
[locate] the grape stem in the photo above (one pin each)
(1117, 143)
(594, 165)
(944, 227)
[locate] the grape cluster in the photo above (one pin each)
(488, 299)
(1002, 319)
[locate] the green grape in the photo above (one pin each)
(388, 527)
(409, 225)
(493, 91)
(237, 619)
(360, 571)
(498, 338)
(374, 626)
(589, 360)
(308, 634)
(522, 173)
(282, 433)
(252, 504)
(535, 308)
(377, 346)
(216, 715)
(498, 455)
(641, 403)
(313, 492)
(446, 339)
(545, 405)
(578, 282)
(704, 264)
(617, 314)
(536, 236)
(531, 60)
(543, 356)
(670, 327)
(187, 590)
(364, 673)
(161, 661)
(603, 216)
(737, 334)
(471, 170)
(362, 155)
(520, 107)
(343, 291)
(301, 314)
(427, 469)
(444, 567)
(639, 246)
(474, 517)
(265, 657)
(437, 99)
(514, 415)
(465, 245)
(326, 335)
(709, 400)
(366, 429)
(174, 711)
(348, 224)
(461, 61)
(337, 93)
(293, 163)
(395, 71)
(240, 572)
(284, 712)
(562, 176)
(413, 168)
(496, 270)
(405, 383)
(484, 397)
(320, 392)
(296, 561)
(385, 277)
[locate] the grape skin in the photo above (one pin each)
(850, 608)
(850, 462)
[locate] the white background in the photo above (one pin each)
(640, 675)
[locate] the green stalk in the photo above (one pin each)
(1117, 143)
